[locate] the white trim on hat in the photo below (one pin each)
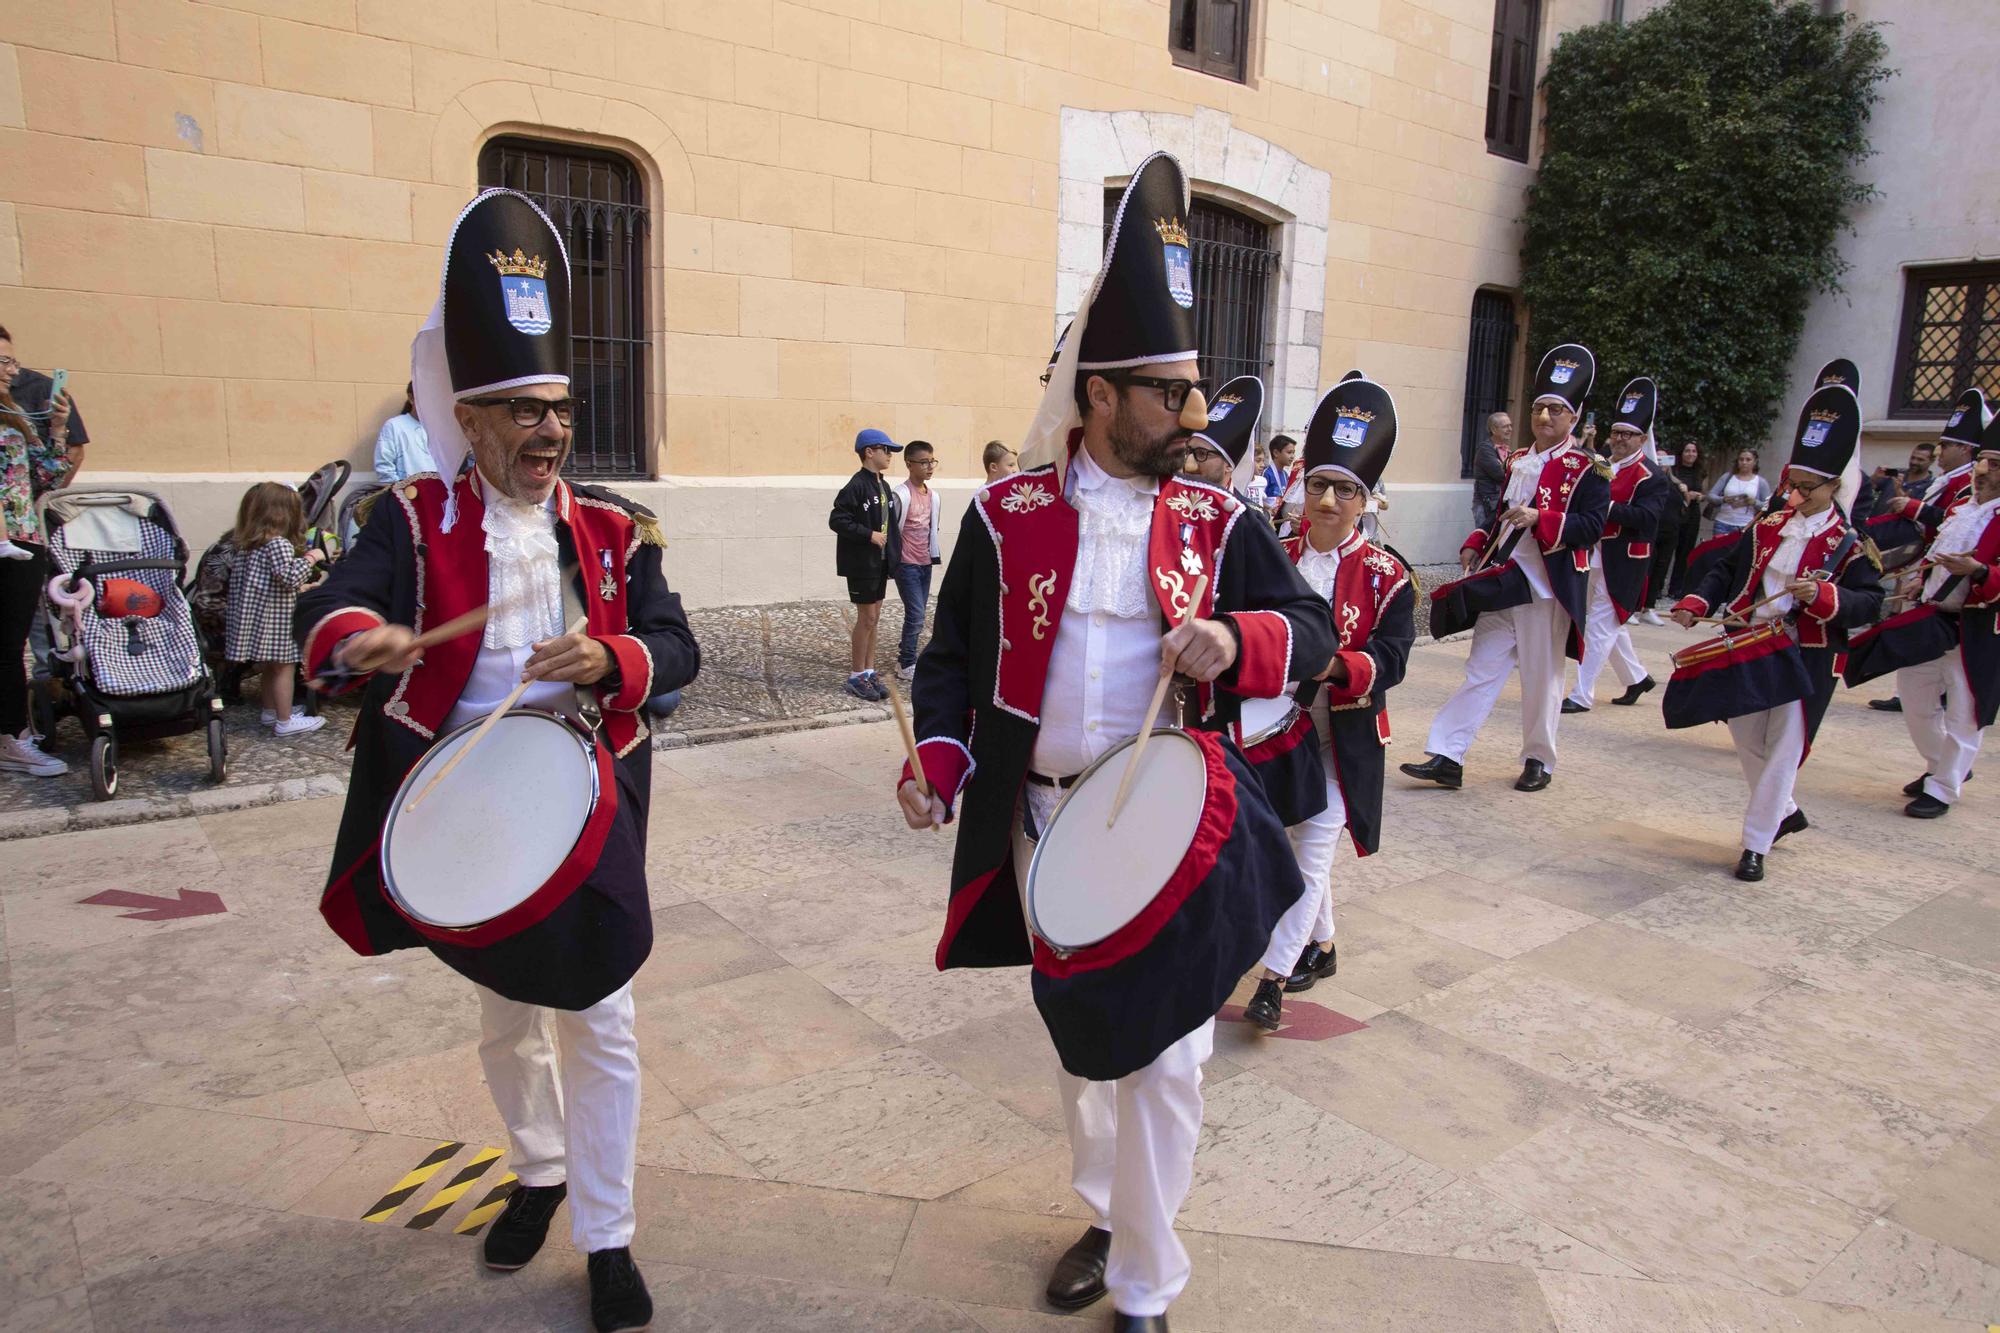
(518, 382)
(1158, 358)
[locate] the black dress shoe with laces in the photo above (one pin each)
(1632, 693)
(1916, 788)
(1138, 1323)
(517, 1234)
(1267, 1008)
(1795, 822)
(1534, 776)
(1572, 706)
(619, 1301)
(1750, 867)
(1079, 1276)
(1926, 806)
(1314, 963)
(1445, 772)
(1892, 704)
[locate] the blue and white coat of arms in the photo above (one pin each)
(527, 302)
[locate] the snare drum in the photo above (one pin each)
(506, 837)
(1262, 720)
(1456, 606)
(1734, 675)
(1908, 638)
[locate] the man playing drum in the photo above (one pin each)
(1803, 566)
(1371, 603)
(1553, 511)
(1913, 519)
(1051, 633)
(1621, 565)
(502, 531)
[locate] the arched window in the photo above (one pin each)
(1234, 262)
(597, 199)
(1489, 361)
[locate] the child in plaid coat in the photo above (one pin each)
(263, 589)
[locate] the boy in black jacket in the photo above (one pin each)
(870, 531)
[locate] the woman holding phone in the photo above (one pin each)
(28, 464)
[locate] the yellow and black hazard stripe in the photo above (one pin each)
(454, 1189)
(411, 1182)
(487, 1208)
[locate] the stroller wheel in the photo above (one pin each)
(104, 766)
(218, 751)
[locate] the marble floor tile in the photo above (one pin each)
(401, 1005)
(141, 857)
(64, 1312)
(1479, 915)
(1450, 1102)
(1591, 884)
(770, 1228)
(704, 1301)
(894, 1123)
(38, 1257)
(684, 1142)
(993, 1319)
(812, 920)
(1462, 1221)
(1890, 1267)
(256, 834)
(694, 947)
(1763, 933)
(1963, 925)
(1273, 1164)
(118, 1230)
(1669, 1213)
(1008, 1057)
(359, 1183)
(45, 922)
(34, 1123)
(1958, 1200)
(1040, 1185)
(992, 1257)
(1392, 962)
(1584, 1038)
(1590, 1303)
(1680, 981)
(1917, 982)
(897, 983)
(750, 1032)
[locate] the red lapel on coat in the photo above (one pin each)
(1034, 531)
(451, 580)
(1623, 484)
(1766, 535)
(1191, 524)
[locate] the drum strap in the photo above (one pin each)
(587, 710)
(1042, 780)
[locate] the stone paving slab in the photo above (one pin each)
(1582, 1080)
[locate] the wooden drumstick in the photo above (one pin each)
(1743, 616)
(1159, 697)
(909, 736)
(430, 638)
(506, 705)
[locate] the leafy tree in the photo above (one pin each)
(1696, 180)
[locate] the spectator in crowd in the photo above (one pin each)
(28, 464)
(917, 509)
(1916, 479)
(1680, 525)
(1284, 450)
(1377, 505)
(1739, 495)
(272, 565)
(31, 391)
(401, 448)
(864, 518)
(999, 461)
(1489, 469)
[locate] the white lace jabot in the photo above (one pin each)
(524, 573)
(1115, 525)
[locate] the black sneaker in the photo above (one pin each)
(618, 1298)
(519, 1231)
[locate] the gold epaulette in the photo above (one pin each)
(1602, 468)
(366, 506)
(649, 528)
(1872, 551)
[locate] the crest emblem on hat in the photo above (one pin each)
(1818, 425)
(1631, 404)
(1180, 261)
(1562, 372)
(1223, 406)
(1350, 427)
(525, 289)
(1956, 417)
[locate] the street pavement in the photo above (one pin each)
(1571, 1075)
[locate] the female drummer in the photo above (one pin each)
(1805, 565)
(1371, 600)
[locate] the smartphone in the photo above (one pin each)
(1590, 418)
(58, 382)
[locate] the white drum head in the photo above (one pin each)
(1086, 881)
(1262, 717)
(496, 829)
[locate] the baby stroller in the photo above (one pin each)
(127, 658)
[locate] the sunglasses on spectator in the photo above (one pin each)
(531, 412)
(1342, 489)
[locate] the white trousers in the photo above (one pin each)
(1604, 640)
(1770, 745)
(1313, 843)
(1131, 1143)
(1531, 637)
(573, 1118)
(1938, 710)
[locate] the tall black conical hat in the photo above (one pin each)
(506, 296)
(1828, 431)
(1637, 404)
(1142, 308)
(1232, 416)
(1566, 372)
(1352, 375)
(1055, 353)
(1967, 422)
(1353, 430)
(1839, 371)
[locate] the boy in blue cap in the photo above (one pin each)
(866, 520)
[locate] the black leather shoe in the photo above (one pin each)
(1631, 696)
(1892, 704)
(1138, 1323)
(1079, 1276)
(1314, 963)
(1572, 706)
(1445, 772)
(1534, 776)
(1916, 788)
(1267, 1007)
(1750, 867)
(522, 1226)
(1795, 822)
(1926, 806)
(618, 1298)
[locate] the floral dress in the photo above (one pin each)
(28, 466)
(263, 589)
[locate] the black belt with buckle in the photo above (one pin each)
(1061, 784)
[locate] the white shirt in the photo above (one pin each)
(1106, 658)
(1958, 535)
(524, 582)
(1784, 566)
(1524, 477)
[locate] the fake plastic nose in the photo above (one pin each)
(1194, 412)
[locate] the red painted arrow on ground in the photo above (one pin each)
(1303, 1021)
(192, 902)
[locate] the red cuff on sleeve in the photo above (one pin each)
(1825, 602)
(1360, 677)
(947, 764)
(1476, 542)
(635, 673)
(1986, 591)
(1692, 603)
(1264, 662)
(324, 637)
(1549, 527)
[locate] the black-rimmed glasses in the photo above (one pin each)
(1342, 488)
(528, 413)
(1175, 392)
